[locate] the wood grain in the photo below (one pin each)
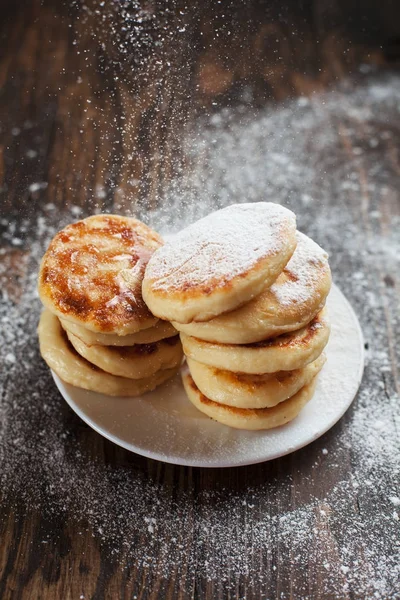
(103, 129)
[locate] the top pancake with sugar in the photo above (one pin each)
(92, 273)
(220, 262)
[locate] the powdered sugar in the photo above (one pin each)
(221, 246)
(307, 266)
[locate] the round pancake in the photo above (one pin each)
(133, 362)
(72, 368)
(285, 353)
(251, 391)
(160, 331)
(298, 294)
(91, 274)
(247, 418)
(219, 262)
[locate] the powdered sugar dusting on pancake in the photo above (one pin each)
(221, 246)
(300, 278)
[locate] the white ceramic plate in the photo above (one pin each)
(165, 426)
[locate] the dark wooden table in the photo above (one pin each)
(167, 111)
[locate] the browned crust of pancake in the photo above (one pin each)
(282, 341)
(135, 240)
(286, 340)
(130, 352)
(244, 412)
(162, 330)
(252, 382)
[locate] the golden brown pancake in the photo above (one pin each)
(253, 419)
(75, 370)
(220, 262)
(284, 353)
(293, 300)
(251, 391)
(134, 362)
(92, 273)
(160, 331)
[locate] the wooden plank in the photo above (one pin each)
(90, 122)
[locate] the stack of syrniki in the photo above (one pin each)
(96, 332)
(247, 292)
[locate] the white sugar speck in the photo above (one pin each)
(76, 211)
(36, 187)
